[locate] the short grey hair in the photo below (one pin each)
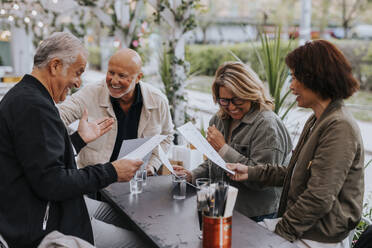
(62, 45)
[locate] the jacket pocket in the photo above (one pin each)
(46, 216)
(242, 149)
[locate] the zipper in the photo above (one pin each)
(46, 216)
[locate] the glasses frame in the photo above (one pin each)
(230, 100)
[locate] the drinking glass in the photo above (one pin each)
(202, 197)
(179, 184)
(136, 183)
(144, 176)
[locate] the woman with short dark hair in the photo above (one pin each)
(324, 182)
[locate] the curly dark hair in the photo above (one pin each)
(323, 68)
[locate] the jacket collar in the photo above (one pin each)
(148, 100)
(249, 118)
(332, 106)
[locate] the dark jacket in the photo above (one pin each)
(260, 137)
(323, 184)
(41, 189)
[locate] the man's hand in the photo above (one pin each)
(215, 138)
(90, 131)
(241, 172)
(126, 168)
(179, 170)
(150, 170)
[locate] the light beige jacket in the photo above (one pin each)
(155, 119)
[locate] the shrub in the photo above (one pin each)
(94, 57)
(206, 58)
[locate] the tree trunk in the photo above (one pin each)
(324, 18)
(344, 19)
(179, 79)
(21, 50)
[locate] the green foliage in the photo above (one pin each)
(367, 213)
(271, 57)
(367, 164)
(166, 76)
(181, 14)
(359, 229)
(207, 58)
(94, 58)
(202, 129)
(359, 54)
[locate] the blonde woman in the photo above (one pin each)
(245, 130)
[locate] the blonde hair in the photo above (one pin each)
(244, 83)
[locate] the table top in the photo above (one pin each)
(165, 222)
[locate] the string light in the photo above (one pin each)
(55, 1)
(34, 12)
(10, 18)
(27, 19)
(15, 6)
(2, 11)
(40, 24)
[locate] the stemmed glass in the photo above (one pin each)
(202, 197)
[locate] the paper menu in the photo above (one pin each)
(165, 160)
(232, 194)
(140, 148)
(193, 136)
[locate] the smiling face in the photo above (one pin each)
(123, 74)
(305, 97)
(66, 79)
(235, 112)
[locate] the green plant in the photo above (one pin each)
(94, 57)
(166, 76)
(367, 213)
(271, 58)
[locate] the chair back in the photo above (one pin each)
(3, 243)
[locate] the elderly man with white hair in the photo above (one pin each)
(40, 186)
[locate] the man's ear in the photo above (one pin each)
(139, 76)
(55, 66)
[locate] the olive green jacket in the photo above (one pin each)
(260, 137)
(323, 184)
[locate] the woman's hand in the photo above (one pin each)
(90, 131)
(241, 172)
(215, 138)
(179, 170)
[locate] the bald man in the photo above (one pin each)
(139, 109)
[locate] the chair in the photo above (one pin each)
(352, 233)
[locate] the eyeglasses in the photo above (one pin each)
(226, 101)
